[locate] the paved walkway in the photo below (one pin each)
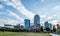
(54, 34)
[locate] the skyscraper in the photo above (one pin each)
(48, 25)
(27, 23)
(37, 21)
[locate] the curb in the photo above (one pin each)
(54, 34)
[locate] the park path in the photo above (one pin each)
(54, 34)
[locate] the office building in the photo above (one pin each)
(8, 26)
(17, 26)
(48, 25)
(22, 27)
(37, 20)
(27, 23)
(36, 23)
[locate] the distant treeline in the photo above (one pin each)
(24, 30)
(12, 30)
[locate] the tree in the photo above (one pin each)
(48, 30)
(54, 29)
(41, 29)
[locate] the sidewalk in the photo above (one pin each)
(54, 34)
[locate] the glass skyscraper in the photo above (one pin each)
(27, 23)
(37, 20)
(48, 25)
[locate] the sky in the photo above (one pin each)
(15, 11)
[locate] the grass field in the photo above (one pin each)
(22, 34)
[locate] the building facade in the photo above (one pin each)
(27, 23)
(17, 26)
(48, 25)
(8, 26)
(37, 20)
(37, 23)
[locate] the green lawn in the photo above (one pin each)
(22, 34)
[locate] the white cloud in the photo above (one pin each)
(1, 6)
(8, 21)
(18, 5)
(23, 10)
(11, 21)
(54, 15)
(2, 20)
(50, 17)
(14, 22)
(42, 16)
(14, 15)
(54, 22)
(57, 8)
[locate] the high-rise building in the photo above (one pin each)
(37, 21)
(48, 25)
(27, 23)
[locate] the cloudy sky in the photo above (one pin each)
(15, 11)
